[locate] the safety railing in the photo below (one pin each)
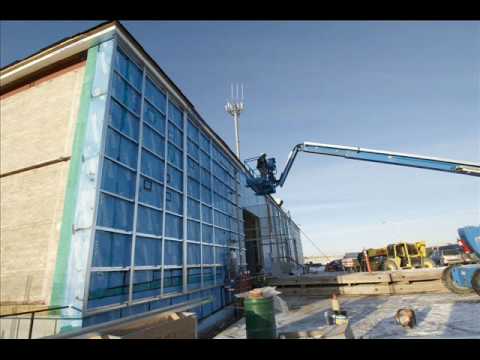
(87, 332)
(32, 313)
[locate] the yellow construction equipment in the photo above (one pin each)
(405, 255)
(397, 256)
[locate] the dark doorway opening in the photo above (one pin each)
(253, 243)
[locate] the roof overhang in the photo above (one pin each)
(56, 53)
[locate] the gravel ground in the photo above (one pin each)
(438, 316)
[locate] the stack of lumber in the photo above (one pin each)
(163, 325)
(177, 325)
(364, 283)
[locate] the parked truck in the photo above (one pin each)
(351, 263)
(449, 254)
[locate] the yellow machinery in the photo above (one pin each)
(397, 256)
(422, 248)
(376, 258)
(407, 256)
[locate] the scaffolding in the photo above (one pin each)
(272, 240)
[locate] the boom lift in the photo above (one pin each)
(263, 180)
(465, 279)
(459, 279)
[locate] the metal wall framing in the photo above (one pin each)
(176, 163)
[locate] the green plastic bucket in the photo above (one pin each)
(260, 318)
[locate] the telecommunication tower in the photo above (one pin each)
(234, 107)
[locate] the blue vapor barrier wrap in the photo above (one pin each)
(81, 240)
(168, 210)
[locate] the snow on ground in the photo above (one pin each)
(438, 316)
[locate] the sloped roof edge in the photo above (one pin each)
(55, 52)
(82, 41)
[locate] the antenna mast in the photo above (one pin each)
(234, 107)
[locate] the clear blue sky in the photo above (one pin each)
(399, 86)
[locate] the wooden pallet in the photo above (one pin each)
(375, 283)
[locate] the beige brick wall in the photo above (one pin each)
(37, 122)
(31, 208)
(37, 125)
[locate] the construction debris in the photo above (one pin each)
(280, 306)
(335, 304)
(336, 316)
(406, 317)
(255, 294)
(437, 316)
(323, 332)
(107, 337)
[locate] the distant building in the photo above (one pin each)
(321, 259)
(117, 197)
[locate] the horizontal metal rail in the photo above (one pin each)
(36, 166)
(33, 312)
(96, 328)
(40, 310)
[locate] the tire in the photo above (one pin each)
(428, 263)
(476, 281)
(450, 284)
(390, 265)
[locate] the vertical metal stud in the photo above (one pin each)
(137, 191)
(185, 168)
(201, 212)
(210, 153)
(30, 330)
(164, 206)
(237, 220)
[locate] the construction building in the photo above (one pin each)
(117, 198)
